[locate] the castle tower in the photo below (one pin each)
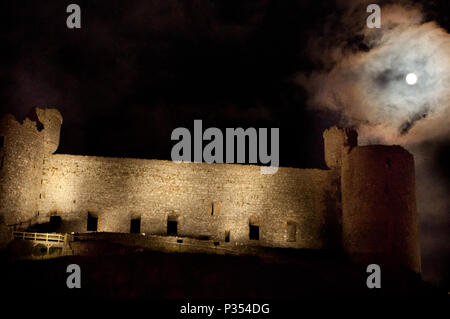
(378, 221)
(338, 141)
(52, 121)
(379, 216)
(23, 147)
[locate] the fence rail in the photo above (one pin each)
(152, 242)
(44, 237)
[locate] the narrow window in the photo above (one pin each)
(227, 236)
(214, 208)
(172, 226)
(388, 162)
(253, 232)
(2, 141)
(135, 225)
(291, 231)
(92, 222)
(2, 162)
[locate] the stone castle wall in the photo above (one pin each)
(207, 200)
(364, 204)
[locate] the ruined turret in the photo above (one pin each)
(338, 141)
(51, 119)
(23, 147)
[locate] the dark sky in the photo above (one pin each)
(136, 70)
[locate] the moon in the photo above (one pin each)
(411, 78)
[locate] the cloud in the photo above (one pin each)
(367, 86)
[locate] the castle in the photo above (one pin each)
(363, 204)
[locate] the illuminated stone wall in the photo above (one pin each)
(21, 157)
(23, 149)
(207, 200)
(365, 203)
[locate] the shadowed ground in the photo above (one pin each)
(150, 274)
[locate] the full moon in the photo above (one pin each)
(411, 78)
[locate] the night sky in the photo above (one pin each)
(136, 70)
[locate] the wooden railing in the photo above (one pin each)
(42, 237)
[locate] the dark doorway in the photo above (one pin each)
(172, 227)
(55, 223)
(92, 222)
(254, 232)
(135, 226)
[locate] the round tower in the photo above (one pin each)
(379, 216)
(23, 147)
(21, 159)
